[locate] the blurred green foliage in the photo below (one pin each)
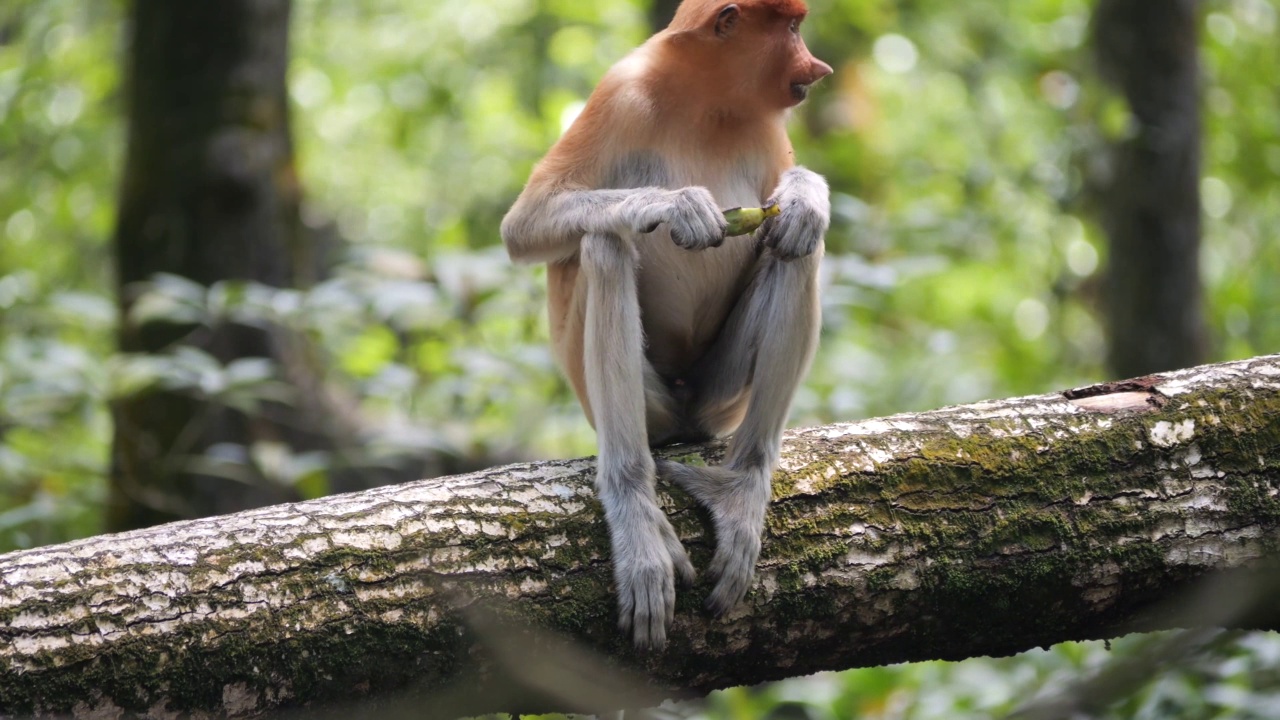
(961, 140)
(1234, 676)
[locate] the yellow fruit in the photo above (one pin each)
(744, 220)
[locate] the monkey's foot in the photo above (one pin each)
(734, 564)
(737, 500)
(647, 558)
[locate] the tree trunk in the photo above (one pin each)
(985, 529)
(209, 194)
(1151, 200)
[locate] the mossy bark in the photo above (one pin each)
(978, 530)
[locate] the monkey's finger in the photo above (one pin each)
(766, 230)
(679, 558)
(716, 227)
(721, 226)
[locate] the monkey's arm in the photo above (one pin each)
(805, 200)
(546, 226)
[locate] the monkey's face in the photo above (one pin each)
(802, 68)
(784, 67)
(756, 56)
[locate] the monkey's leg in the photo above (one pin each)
(765, 348)
(646, 551)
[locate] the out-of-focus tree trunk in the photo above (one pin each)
(210, 194)
(1151, 201)
(661, 12)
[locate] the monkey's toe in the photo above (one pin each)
(644, 570)
(733, 567)
(646, 605)
(680, 563)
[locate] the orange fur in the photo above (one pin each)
(693, 14)
(710, 108)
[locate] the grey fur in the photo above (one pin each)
(766, 347)
(761, 353)
(547, 227)
(637, 170)
(646, 551)
(806, 215)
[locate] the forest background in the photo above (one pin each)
(971, 147)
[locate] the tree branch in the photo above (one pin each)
(985, 529)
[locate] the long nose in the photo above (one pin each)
(817, 69)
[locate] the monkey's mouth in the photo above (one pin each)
(799, 91)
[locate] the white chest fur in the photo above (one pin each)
(685, 296)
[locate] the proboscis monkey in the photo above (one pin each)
(668, 331)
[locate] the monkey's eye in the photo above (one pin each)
(795, 25)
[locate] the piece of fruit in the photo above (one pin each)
(744, 220)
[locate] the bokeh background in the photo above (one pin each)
(973, 150)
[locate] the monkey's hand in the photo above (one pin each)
(691, 213)
(798, 231)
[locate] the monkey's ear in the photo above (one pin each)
(726, 20)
